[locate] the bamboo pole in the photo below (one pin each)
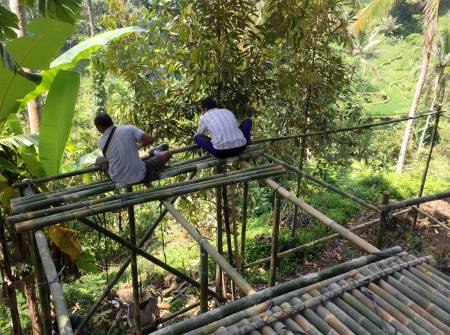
(235, 227)
(125, 202)
(244, 225)
(416, 201)
(219, 234)
(427, 164)
(328, 186)
(431, 218)
(37, 181)
(7, 279)
(355, 239)
(226, 216)
(268, 293)
(62, 315)
(203, 281)
(383, 220)
(235, 276)
(274, 245)
(143, 253)
(134, 270)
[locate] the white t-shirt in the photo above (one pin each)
(125, 165)
(223, 128)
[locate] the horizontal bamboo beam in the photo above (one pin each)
(268, 293)
(62, 315)
(333, 188)
(415, 201)
(317, 242)
(218, 258)
(125, 202)
(431, 218)
(50, 211)
(194, 147)
(355, 239)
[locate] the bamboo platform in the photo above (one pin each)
(400, 294)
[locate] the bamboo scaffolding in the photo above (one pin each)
(62, 315)
(49, 211)
(268, 293)
(55, 199)
(37, 181)
(328, 186)
(383, 221)
(143, 243)
(219, 235)
(234, 275)
(124, 202)
(355, 239)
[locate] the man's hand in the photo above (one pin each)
(147, 139)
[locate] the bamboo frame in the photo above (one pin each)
(415, 201)
(383, 220)
(203, 270)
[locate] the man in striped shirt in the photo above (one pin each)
(226, 136)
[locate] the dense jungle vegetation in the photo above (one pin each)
(298, 66)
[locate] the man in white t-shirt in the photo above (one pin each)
(226, 136)
(119, 145)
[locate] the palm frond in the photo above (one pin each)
(374, 11)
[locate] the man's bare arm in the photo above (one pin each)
(147, 139)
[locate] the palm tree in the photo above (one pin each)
(380, 8)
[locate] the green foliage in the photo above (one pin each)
(8, 22)
(58, 115)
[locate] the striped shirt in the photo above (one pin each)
(223, 129)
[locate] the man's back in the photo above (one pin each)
(125, 165)
(223, 128)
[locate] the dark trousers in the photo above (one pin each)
(205, 142)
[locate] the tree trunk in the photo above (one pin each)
(90, 15)
(413, 110)
(29, 292)
(33, 106)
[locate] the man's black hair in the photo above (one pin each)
(103, 120)
(208, 103)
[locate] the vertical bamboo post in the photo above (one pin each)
(235, 228)
(219, 235)
(427, 164)
(203, 281)
(44, 292)
(299, 181)
(226, 215)
(275, 232)
(244, 225)
(134, 271)
(383, 220)
(7, 273)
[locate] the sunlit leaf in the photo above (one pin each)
(57, 119)
(66, 239)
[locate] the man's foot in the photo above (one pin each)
(155, 151)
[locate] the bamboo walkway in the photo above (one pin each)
(400, 294)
